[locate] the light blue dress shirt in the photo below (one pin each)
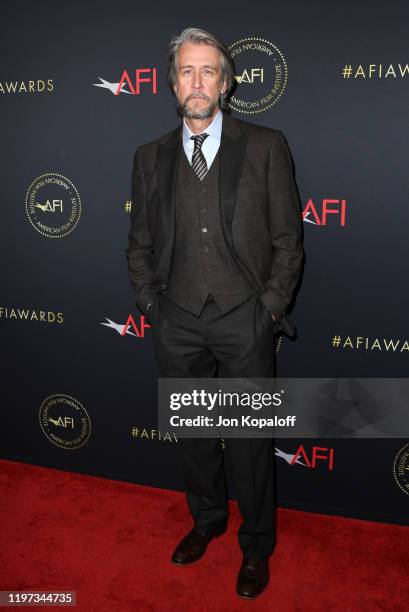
(210, 145)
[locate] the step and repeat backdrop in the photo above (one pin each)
(82, 85)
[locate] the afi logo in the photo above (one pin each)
(130, 324)
(135, 88)
(251, 76)
(139, 332)
(310, 213)
(49, 206)
(62, 422)
(319, 453)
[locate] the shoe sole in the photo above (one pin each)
(249, 597)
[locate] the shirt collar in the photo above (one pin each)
(214, 129)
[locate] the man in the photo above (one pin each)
(214, 257)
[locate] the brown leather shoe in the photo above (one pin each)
(191, 548)
(253, 577)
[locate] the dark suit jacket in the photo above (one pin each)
(259, 206)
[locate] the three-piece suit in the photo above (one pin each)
(211, 259)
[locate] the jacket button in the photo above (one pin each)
(163, 287)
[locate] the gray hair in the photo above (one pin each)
(195, 35)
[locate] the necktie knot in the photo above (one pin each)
(198, 139)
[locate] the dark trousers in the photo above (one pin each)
(237, 344)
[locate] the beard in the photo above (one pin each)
(205, 112)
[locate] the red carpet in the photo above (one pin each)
(111, 542)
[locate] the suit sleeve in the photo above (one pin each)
(139, 253)
(285, 224)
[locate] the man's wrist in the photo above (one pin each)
(271, 308)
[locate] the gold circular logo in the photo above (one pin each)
(53, 205)
(261, 75)
(401, 468)
(64, 421)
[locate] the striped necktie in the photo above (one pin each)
(198, 159)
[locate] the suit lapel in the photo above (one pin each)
(233, 146)
(169, 153)
(233, 150)
(167, 163)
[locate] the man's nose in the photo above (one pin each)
(197, 80)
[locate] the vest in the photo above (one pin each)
(202, 262)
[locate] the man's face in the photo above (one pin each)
(198, 76)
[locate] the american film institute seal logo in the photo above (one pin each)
(261, 73)
(53, 205)
(65, 421)
(401, 468)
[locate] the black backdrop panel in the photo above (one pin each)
(78, 395)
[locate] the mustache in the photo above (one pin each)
(198, 95)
